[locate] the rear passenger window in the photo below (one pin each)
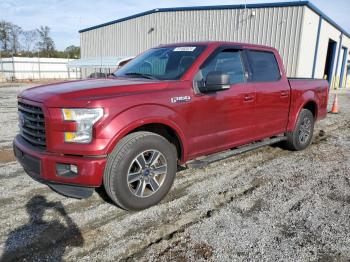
(264, 66)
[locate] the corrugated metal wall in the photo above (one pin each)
(274, 26)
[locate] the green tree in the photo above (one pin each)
(72, 51)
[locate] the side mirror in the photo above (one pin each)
(216, 81)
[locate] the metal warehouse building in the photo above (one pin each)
(310, 43)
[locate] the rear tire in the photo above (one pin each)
(140, 170)
(301, 136)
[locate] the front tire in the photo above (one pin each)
(140, 170)
(301, 136)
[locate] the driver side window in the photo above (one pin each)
(227, 62)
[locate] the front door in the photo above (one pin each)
(223, 119)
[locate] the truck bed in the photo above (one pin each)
(310, 89)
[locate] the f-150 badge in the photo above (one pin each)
(179, 99)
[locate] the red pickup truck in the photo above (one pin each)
(183, 104)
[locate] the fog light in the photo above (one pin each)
(66, 170)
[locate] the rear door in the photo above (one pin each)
(272, 93)
(223, 119)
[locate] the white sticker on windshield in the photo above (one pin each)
(185, 49)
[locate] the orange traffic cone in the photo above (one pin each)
(335, 109)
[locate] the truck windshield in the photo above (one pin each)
(163, 63)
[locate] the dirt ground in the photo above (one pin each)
(265, 205)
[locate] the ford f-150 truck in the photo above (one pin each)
(185, 104)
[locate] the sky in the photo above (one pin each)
(67, 17)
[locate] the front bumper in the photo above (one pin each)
(41, 166)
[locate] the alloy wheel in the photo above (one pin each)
(147, 173)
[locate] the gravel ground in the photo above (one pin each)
(269, 204)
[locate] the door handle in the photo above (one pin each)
(284, 93)
(248, 98)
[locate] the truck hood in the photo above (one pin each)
(85, 91)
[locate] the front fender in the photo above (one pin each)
(135, 117)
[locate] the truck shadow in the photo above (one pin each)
(40, 239)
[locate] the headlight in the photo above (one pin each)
(85, 119)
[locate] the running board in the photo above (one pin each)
(199, 163)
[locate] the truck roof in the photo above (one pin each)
(219, 43)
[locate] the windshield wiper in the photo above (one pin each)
(148, 76)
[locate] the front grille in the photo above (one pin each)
(32, 124)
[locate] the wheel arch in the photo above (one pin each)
(312, 106)
(167, 129)
(309, 104)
